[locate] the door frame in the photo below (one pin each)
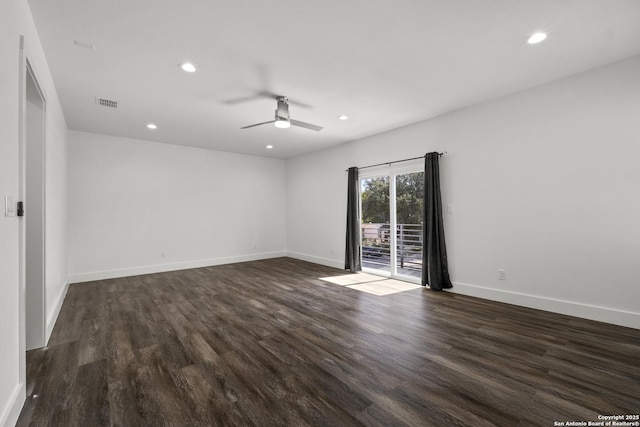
(390, 171)
(29, 76)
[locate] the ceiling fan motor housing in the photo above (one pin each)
(282, 112)
(283, 120)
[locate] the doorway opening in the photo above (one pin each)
(33, 194)
(391, 208)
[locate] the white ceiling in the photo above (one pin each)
(385, 64)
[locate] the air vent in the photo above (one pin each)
(104, 102)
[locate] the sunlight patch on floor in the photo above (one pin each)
(352, 279)
(370, 284)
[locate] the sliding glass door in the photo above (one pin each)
(376, 224)
(408, 209)
(391, 206)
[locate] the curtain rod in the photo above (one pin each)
(395, 161)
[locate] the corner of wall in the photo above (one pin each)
(316, 260)
(55, 311)
(11, 412)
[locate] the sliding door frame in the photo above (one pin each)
(390, 171)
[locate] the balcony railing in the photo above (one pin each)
(376, 248)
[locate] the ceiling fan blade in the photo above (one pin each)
(241, 100)
(266, 93)
(299, 104)
(258, 124)
(306, 125)
(261, 94)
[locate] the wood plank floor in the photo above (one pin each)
(267, 343)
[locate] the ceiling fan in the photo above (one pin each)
(282, 119)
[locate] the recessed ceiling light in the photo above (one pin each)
(343, 117)
(269, 147)
(188, 67)
(537, 38)
(152, 126)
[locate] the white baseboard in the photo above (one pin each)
(161, 268)
(53, 315)
(11, 411)
(571, 308)
(316, 260)
(601, 314)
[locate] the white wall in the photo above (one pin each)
(15, 20)
(545, 183)
(131, 200)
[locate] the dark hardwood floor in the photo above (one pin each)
(267, 343)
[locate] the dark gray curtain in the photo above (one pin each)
(435, 270)
(352, 259)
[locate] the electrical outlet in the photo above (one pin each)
(502, 274)
(163, 254)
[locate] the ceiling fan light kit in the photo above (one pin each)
(283, 120)
(282, 123)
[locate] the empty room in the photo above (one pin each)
(336, 213)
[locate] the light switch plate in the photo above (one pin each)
(9, 205)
